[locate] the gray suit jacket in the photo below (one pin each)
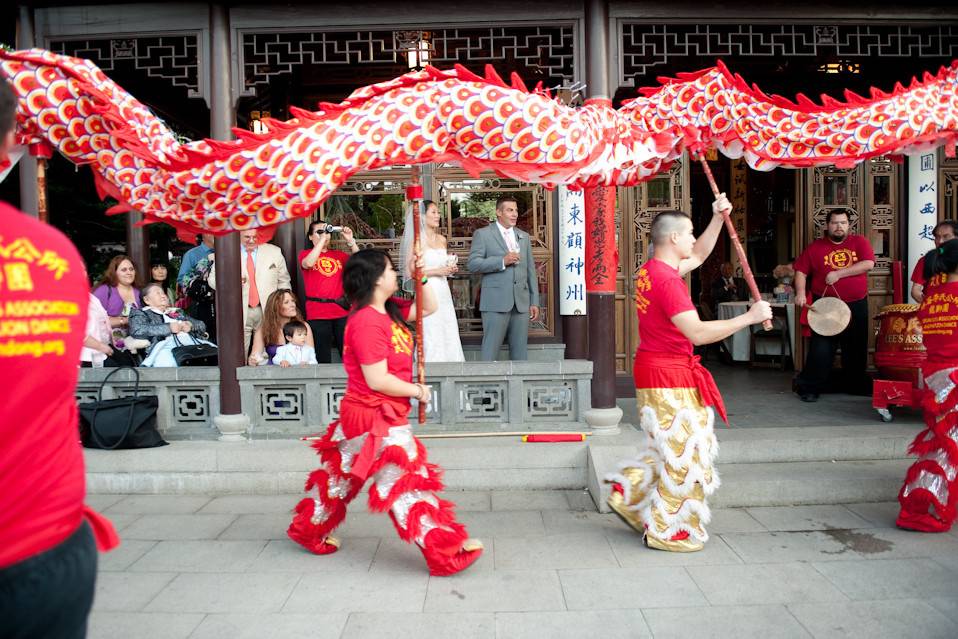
(146, 324)
(517, 285)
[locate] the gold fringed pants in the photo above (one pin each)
(662, 492)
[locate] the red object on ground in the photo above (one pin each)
(554, 437)
(887, 393)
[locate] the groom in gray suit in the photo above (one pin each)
(509, 296)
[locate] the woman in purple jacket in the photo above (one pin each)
(118, 291)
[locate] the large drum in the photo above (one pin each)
(899, 351)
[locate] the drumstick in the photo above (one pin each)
(742, 258)
(414, 193)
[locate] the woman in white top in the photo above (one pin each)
(441, 329)
(97, 347)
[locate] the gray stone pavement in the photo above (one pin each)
(208, 567)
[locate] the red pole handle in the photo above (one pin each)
(742, 258)
(414, 193)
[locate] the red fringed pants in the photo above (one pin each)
(930, 493)
(404, 484)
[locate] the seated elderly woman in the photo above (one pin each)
(158, 322)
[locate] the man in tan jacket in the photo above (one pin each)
(264, 272)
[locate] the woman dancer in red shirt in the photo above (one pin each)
(373, 438)
(930, 493)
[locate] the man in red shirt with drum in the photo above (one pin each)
(838, 266)
(662, 493)
(943, 231)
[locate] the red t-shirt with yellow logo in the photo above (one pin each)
(43, 315)
(324, 280)
(372, 337)
(824, 256)
(938, 315)
(660, 295)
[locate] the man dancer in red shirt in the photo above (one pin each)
(47, 550)
(662, 493)
(838, 266)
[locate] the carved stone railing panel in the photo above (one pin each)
(188, 397)
(284, 403)
(190, 404)
(486, 402)
(549, 401)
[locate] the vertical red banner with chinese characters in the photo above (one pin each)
(601, 252)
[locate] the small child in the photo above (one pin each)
(295, 352)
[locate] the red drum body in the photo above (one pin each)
(899, 350)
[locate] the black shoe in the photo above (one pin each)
(809, 397)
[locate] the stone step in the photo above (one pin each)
(803, 483)
(758, 467)
(266, 467)
(814, 443)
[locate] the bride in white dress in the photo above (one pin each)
(440, 329)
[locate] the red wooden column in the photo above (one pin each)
(601, 264)
(601, 261)
(231, 422)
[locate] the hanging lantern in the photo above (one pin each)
(256, 124)
(416, 46)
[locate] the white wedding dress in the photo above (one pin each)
(440, 330)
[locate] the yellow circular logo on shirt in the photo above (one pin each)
(842, 258)
(328, 266)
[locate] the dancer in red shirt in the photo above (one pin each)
(930, 493)
(47, 536)
(662, 492)
(943, 231)
(373, 438)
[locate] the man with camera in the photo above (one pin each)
(326, 309)
(264, 271)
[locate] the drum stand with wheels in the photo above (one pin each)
(887, 393)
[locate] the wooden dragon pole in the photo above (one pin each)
(414, 195)
(742, 257)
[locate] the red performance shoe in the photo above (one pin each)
(325, 546)
(443, 564)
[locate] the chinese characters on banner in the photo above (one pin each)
(922, 206)
(30, 325)
(601, 252)
(572, 240)
(738, 197)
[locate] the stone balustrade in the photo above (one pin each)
(291, 402)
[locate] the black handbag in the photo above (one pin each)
(195, 354)
(124, 422)
(198, 289)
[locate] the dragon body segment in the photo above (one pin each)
(449, 116)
